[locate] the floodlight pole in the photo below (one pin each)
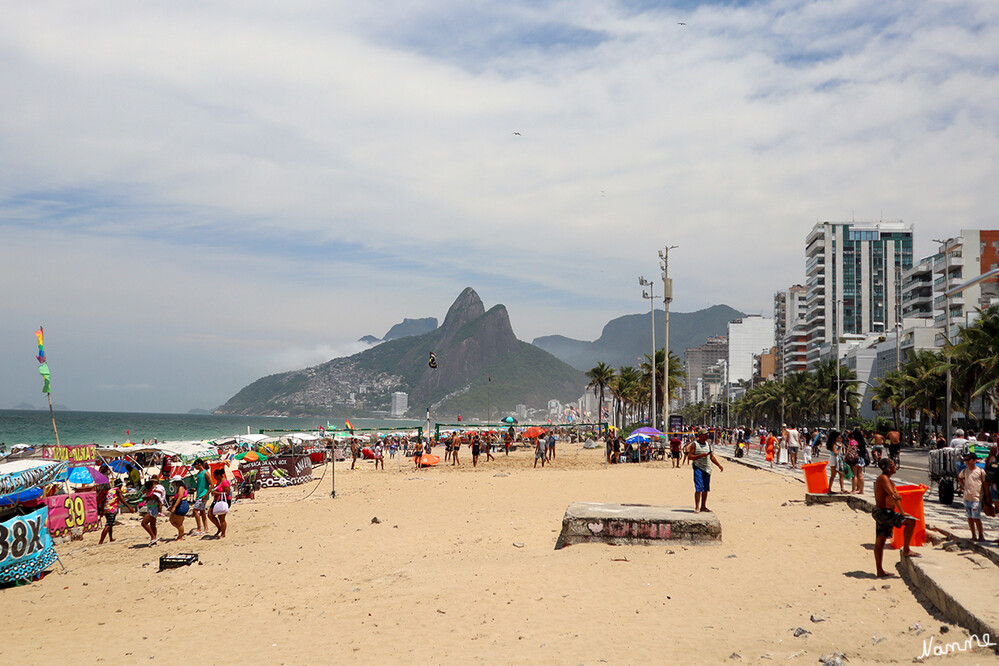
(667, 298)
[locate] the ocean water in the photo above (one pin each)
(34, 427)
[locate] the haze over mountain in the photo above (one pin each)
(481, 367)
(625, 340)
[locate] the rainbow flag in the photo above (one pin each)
(350, 426)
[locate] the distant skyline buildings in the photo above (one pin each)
(748, 337)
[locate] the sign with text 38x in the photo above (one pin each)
(25, 546)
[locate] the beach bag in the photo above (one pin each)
(852, 456)
(220, 508)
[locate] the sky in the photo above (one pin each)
(194, 195)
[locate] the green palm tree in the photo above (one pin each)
(600, 377)
(889, 393)
(676, 374)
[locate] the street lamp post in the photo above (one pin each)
(667, 298)
(947, 294)
(839, 335)
(650, 294)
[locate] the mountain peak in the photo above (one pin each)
(466, 307)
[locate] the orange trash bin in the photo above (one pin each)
(912, 504)
(815, 477)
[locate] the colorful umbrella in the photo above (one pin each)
(508, 419)
(534, 431)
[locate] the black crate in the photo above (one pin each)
(178, 560)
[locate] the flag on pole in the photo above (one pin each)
(350, 426)
(43, 368)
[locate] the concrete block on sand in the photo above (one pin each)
(636, 524)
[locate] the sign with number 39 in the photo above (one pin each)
(74, 510)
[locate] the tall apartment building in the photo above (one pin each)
(400, 403)
(698, 359)
(747, 337)
(789, 330)
(917, 289)
(958, 260)
(853, 279)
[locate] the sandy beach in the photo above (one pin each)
(461, 568)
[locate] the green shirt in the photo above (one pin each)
(201, 485)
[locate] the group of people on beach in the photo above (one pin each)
(209, 499)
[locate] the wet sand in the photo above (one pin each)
(440, 579)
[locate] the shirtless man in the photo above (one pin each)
(889, 515)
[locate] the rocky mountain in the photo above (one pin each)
(625, 340)
(404, 329)
(481, 366)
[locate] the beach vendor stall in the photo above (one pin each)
(289, 469)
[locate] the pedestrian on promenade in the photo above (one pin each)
(793, 445)
(702, 457)
(855, 459)
(889, 515)
(972, 479)
(771, 442)
(837, 466)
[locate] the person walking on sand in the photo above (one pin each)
(379, 455)
(154, 498)
(223, 499)
(417, 453)
(489, 447)
(200, 506)
(355, 452)
(971, 479)
(115, 499)
(456, 440)
(179, 509)
(674, 450)
(888, 515)
(476, 449)
(551, 446)
(702, 457)
(539, 451)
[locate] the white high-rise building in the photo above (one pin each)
(400, 404)
(747, 337)
(853, 277)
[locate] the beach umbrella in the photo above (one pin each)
(120, 466)
(241, 455)
(508, 419)
(534, 431)
(646, 430)
(638, 438)
(86, 475)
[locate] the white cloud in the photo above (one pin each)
(239, 186)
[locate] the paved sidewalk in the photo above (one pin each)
(950, 521)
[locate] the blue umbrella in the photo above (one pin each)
(80, 475)
(120, 466)
(638, 438)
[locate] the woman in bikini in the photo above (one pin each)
(223, 499)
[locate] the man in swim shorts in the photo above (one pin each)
(888, 515)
